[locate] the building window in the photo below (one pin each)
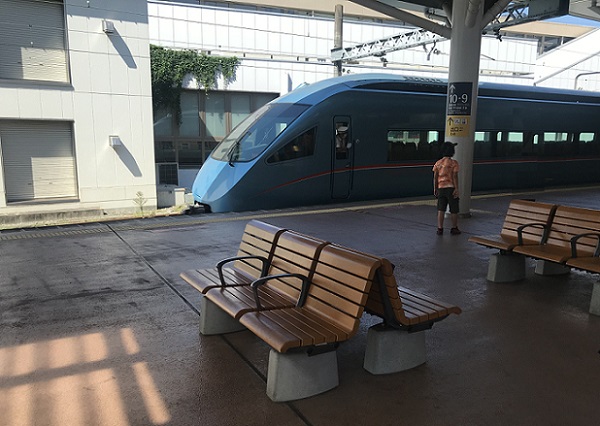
(205, 120)
(32, 40)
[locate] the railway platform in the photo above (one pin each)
(97, 328)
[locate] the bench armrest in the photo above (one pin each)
(263, 271)
(587, 234)
(532, 225)
(263, 280)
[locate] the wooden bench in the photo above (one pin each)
(398, 343)
(303, 361)
(526, 223)
(573, 232)
(255, 252)
(305, 299)
(290, 268)
(573, 242)
(571, 239)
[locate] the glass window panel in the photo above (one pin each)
(190, 118)
(163, 123)
(165, 151)
(261, 99)
(215, 115)
(515, 137)
(302, 146)
(555, 137)
(209, 146)
(432, 137)
(402, 144)
(586, 137)
(240, 108)
(190, 153)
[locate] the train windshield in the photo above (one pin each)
(253, 135)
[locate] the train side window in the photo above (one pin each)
(302, 146)
(483, 145)
(514, 144)
(402, 144)
(588, 145)
(557, 144)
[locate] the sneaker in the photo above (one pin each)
(440, 231)
(455, 231)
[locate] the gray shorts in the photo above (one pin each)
(445, 198)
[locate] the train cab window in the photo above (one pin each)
(302, 146)
(256, 133)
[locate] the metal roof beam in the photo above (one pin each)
(385, 45)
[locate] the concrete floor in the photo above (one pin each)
(97, 328)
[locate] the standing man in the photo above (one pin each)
(445, 188)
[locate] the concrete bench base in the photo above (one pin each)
(543, 267)
(390, 351)
(505, 268)
(294, 376)
(213, 320)
(595, 302)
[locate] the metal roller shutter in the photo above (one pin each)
(38, 160)
(32, 40)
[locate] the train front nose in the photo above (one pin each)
(213, 185)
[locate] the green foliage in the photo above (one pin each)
(169, 67)
(140, 200)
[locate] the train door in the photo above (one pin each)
(342, 157)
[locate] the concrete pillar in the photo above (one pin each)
(463, 80)
(543, 267)
(214, 320)
(595, 302)
(505, 268)
(297, 375)
(390, 351)
(338, 37)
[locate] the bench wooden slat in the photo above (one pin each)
(408, 307)
(205, 279)
(238, 300)
(277, 331)
(589, 264)
(335, 267)
(312, 325)
(567, 223)
(519, 213)
(258, 239)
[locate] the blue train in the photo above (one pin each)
(376, 136)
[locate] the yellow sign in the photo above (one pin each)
(457, 125)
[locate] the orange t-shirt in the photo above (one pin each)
(446, 167)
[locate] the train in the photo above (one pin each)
(376, 136)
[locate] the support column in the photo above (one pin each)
(338, 37)
(463, 79)
(595, 302)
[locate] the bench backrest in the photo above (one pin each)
(571, 221)
(259, 239)
(401, 307)
(387, 306)
(294, 253)
(522, 212)
(340, 286)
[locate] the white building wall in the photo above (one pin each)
(278, 52)
(574, 65)
(110, 94)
